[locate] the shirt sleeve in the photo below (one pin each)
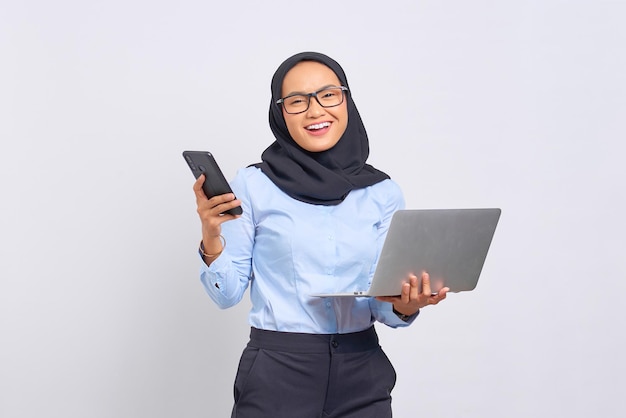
(227, 278)
(383, 312)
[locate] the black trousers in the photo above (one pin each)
(292, 375)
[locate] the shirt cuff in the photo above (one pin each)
(214, 272)
(406, 318)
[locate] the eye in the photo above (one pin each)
(296, 100)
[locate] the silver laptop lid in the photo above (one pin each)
(450, 244)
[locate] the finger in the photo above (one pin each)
(406, 293)
(222, 203)
(426, 284)
(210, 211)
(414, 292)
(222, 213)
(221, 199)
(441, 295)
(197, 188)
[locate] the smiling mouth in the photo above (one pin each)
(317, 126)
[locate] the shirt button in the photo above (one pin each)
(330, 238)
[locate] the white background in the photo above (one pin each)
(514, 104)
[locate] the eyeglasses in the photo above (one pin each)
(326, 97)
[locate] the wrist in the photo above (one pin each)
(213, 253)
(406, 317)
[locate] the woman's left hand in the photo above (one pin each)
(412, 300)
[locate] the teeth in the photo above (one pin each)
(319, 126)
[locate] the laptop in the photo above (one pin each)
(449, 244)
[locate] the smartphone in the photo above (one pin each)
(202, 162)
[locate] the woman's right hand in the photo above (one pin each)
(210, 212)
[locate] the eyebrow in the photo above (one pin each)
(293, 93)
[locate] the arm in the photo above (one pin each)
(225, 247)
(210, 212)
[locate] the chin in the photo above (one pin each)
(319, 147)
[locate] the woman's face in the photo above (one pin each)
(318, 128)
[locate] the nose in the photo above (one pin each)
(315, 109)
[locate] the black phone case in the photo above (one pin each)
(202, 162)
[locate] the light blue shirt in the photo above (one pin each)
(286, 250)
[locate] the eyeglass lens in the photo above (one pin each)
(329, 97)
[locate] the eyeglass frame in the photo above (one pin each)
(343, 89)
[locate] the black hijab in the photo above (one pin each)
(322, 178)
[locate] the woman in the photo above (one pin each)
(314, 219)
